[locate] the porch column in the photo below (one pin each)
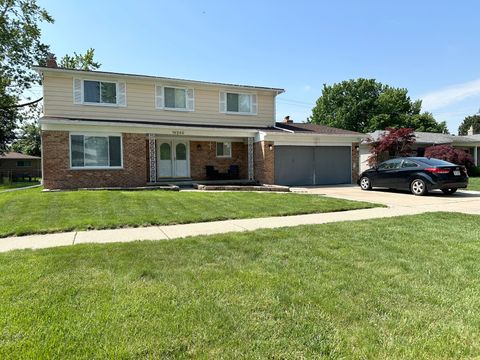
(475, 155)
(153, 157)
(250, 158)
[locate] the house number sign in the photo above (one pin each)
(177, 132)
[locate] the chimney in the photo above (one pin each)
(287, 120)
(470, 130)
(51, 61)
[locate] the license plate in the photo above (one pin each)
(456, 173)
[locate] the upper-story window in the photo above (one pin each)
(238, 103)
(99, 92)
(174, 98)
(96, 92)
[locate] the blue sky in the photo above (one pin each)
(429, 47)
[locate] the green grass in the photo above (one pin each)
(33, 211)
(19, 184)
(405, 288)
(474, 183)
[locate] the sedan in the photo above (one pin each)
(417, 174)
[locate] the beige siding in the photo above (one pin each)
(58, 101)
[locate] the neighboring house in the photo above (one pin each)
(103, 129)
(469, 143)
(17, 165)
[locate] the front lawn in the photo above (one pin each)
(18, 184)
(404, 287)
(32, 211)
(474, 183)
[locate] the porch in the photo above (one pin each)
(183, 159)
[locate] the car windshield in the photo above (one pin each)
(436, 162)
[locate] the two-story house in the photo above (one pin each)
(103, 129)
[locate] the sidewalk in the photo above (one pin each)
(183, 230)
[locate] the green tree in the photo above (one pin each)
(20, 48)
(29, 140)
(366, 105)
(473, 120)
(79, 61)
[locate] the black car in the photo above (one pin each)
(417, 174)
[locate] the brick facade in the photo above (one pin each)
(58, 175)
(355, 162)
(203, 153)
(264, 162)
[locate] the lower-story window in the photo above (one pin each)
(95, 151)
(224, 149)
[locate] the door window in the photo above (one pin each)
(409, 164)
(165, 153)
(181, 150)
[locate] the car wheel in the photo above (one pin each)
(449, 191)
(418, 187)
(365, 183)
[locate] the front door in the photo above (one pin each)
(173, 159)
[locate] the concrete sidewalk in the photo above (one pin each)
(183, 230)
(398, 204)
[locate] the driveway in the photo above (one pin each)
(462, 201)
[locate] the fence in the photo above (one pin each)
(8, 176)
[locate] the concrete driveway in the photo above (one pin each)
(462, 201)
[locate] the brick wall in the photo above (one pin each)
(203, 153)
(58, 175)
(264, 162)
(355, 162)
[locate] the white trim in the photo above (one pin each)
(108, 127)
(86, 133)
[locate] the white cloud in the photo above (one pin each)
(307, 88)
(450, 95)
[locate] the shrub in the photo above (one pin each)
(474, 171)
(448, 153)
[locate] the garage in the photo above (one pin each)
(312, 165)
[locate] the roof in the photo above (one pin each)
(151, 77)
(18, 156)
(433, 138)
(314, 129)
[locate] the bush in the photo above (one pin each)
(448, 153)
(474, 171)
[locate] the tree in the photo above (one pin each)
(79, 61)
(474, 121)
(29, 140)
(20, 48)
(448, 153)
(366, 105)
(394, 143)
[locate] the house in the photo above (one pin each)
(469, 143)
(105, 129)
(16, 165)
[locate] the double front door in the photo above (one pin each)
(173, 158)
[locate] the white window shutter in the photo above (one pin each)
(77, 91)
(121, 94)
(190, 100)
(223, 102)
(159, 97)
(254, 104)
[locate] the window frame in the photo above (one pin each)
(250, 95)
(163, 107)
(175, 88)
(100, 103)
(223, 156)
(107, 135)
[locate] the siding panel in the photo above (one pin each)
(58, 101)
